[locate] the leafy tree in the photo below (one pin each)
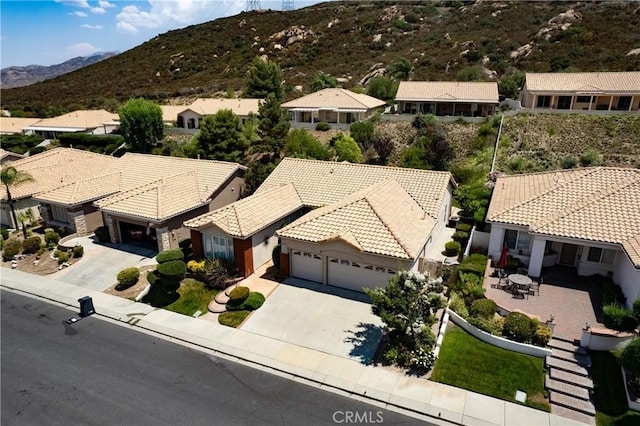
(509, 85)
(431, 150)
(301, 144)
(251, 132)
(383, 88)
(362, 132)
(221, 137)
(472, 73)
(274, 125)
(141, 124)
(256, 173)
(347, 148)
(402, 70)
(323, 81)
(11, 177)
(264, 77)
(384, 146)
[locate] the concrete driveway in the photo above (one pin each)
(101, 263)
(327, 319)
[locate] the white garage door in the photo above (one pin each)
(354, 276)
(307, 266)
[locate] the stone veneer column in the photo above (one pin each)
(164, 239)
(113, 228)
(78, 222)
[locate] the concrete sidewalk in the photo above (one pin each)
(435, 402)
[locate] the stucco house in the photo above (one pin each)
(13, 125)
(342, 224)
(8, 156)
(50, 169)
(339, 107)
(170, 114)
(469, 99)
(191, 116)
(96, 122)
(582, 91)
(587, 219)
(144, 198)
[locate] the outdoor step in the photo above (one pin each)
(574, 379)
(557, 343)
(568, 413)
(216, 307)
(566, 365)
(582, 359)
(581, 405)
(566, 388)
(221, 298)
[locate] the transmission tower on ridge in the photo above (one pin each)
(253, 5)
(288, 5)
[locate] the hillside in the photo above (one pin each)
(351, 39)
(11, 77)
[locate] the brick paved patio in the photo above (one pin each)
(573, 300)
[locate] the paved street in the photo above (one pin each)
(97, 373)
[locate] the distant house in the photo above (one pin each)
(50, 170)
(144, 198)
(587, 219)
(342, 224)
(191, 115)
(8, 156)
(583, 91)
(339, 107)
(97, 122)
(469, 99)
(170, 113)
(13, 125)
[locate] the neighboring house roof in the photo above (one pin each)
(84, 190)
(448, 91)
(76, 121)
(584, 82)
(339, 99)
(10, 125)
(210, 106)
(252, 214)
(594, 204)
(6, 156)
(56, 168)
(321, 183)
(381, 219)
(170, 112)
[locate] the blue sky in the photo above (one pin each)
(53, 31)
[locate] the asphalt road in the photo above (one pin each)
(99, 373)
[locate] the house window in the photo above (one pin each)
(59, 214)
(583, 99)
(517, 240)
(219, 248)
(624, 102)
(599, 255)
(543, 102)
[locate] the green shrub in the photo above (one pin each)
(184, 244)
(173, 268)
(464, 227)
(51, 237)
(636, 309)
(611, 292)
(5, 233)
(617, 317)
(102, 234)
(390, 355)
(452, 248)
(152, 277)
(128, 277)
(456, 304)
(323, 127)
(78, 251)
(569, 162)
(460, 236)
(169, 255)
(590, 157)
(41, 250)
(63, 256)
(31, 244)
(630, 358)
(493, 325)
(542, 335)
(238, 295)
(476, 263)
(251, 303)
(518, 327)
(10, 248)
(485, 308)
(195, 267)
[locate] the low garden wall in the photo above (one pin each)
(500, 342)
(62, 244)
(632, 404)
(604, 339)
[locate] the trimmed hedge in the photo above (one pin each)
(485, 308)
(10, 248)
(464, 227)
(169, 255)
(460, 236)
(128, 277)
(251, 303)
(323, 126)
(78, 251)
(476, 263)
(31, 245)
(518, 327)
(173, 268)
(238, 295)
(152, 277)
(452, 248)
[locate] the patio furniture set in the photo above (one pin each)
(519, 284)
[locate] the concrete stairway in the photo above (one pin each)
(219, 303)
(568, 381)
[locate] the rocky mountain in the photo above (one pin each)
(11, 77)
(446, 40)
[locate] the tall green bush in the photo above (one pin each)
(167, 255)
(617, 317)
(518, 327)
(485, 308)
(10, 248)
(452, 248)
(630, 358)
(127, 278)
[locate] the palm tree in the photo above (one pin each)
(10, 176)
(403, 69)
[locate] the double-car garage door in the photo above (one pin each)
(340, 272)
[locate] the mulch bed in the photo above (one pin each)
(45, 266)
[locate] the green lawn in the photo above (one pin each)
(194, 296)
(469, 363)
(232, 318)
(609, 397)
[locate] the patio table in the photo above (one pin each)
(520, 280)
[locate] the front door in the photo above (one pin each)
(564, 102)
(568, 254)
